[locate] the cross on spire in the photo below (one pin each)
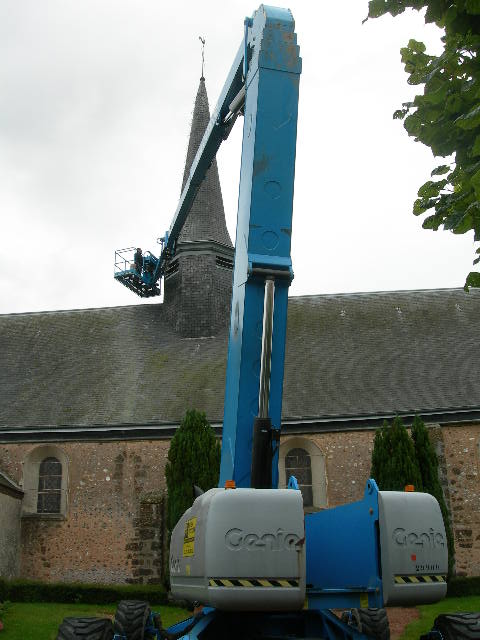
(202, 40)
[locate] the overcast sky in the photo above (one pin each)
(96, 98)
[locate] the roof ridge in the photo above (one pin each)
(78, 310)
(349, 294)
(340, 294)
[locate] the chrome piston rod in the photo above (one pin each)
(266, 361)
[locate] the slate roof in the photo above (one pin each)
(365, 354)
(206, 220)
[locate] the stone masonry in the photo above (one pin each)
(113, 530)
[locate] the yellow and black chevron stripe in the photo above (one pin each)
(253, 582)
(416, 579)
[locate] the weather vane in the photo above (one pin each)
(202, 40)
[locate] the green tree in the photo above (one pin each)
(193, 458)
(428, 463)
(446, 117)
(394, 464)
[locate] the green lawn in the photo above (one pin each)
(40, 620)
(429, 612)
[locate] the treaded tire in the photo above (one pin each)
(374, 623)
(86, 629)
(130, 619)
(458, 626)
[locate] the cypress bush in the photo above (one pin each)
(394, 463)
(428, 463)
(193, 458)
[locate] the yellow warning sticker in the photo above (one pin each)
(364, 600)
(189, 538)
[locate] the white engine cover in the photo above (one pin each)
(241, 550)
(413, 548)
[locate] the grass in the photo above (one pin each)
(428, 613)
(40, 620)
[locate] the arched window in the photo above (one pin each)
(301, 457)
(49, 486)
(299, 464)
(45, 482)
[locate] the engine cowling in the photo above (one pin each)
(241, 549)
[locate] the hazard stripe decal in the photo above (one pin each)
(253, 582)
(416, 579)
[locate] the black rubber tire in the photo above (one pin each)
(458, 626)
(130, 619)
(86, 629)
(373, 623)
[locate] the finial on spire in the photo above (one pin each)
(202, 40)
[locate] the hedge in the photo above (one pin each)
(30, 591)
(459, 587)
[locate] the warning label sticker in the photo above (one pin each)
(189, 538)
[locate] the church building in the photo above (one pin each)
(90, 398)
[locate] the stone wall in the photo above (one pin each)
(10, 510)
(462, 448)
(113, 528)
(111, 532)
(198, 296)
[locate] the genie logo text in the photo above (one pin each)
(430, 539)
(236, 540)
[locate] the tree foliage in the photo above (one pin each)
(394, 464)
(446, 117)
(193, 458)
(428, 463)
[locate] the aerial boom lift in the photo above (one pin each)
(245, 550)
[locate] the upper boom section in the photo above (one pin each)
(263, 239)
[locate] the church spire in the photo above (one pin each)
(206, 220)
(198, 279)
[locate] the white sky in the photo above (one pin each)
(96, 98)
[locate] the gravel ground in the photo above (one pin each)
(399, 617)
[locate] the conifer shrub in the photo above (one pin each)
(193, 458)
(398, 460)
(428, 463)
(394, 463)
